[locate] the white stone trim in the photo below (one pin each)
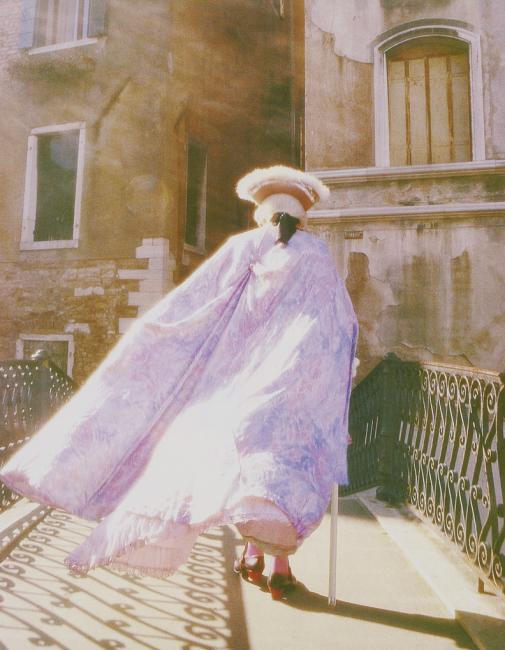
(30, 195)
(49, 245)
(411, 172)
(58, 128)
(133, 274)
(381, 108)
(443, 210)
(154, 282)
(48, 337)
(62, 46)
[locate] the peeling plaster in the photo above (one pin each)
(418, 353)
(353, 24)
(371, 297)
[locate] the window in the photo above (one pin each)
(61, 21)
(53, 187)
(428, 97)
(429, 102)
(60, 348)
(196, 197)
(54, 24)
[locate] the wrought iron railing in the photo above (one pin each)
(434, 435)
(30, 391)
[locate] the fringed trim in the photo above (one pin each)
(81, 570)
(112, 560)
(161, 530)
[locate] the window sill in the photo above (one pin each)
(198, 250)
(48, 245)
(404, 212)
(435, 170)
(62, 46)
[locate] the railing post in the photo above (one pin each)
(42, 389)
(389, 484)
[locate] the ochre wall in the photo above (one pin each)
(220, 71)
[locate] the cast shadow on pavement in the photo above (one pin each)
(303, 599)
(43, 605)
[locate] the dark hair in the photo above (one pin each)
(287, 226)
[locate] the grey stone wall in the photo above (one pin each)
(427, 283)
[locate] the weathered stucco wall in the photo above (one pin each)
(338, 104)
(425, 287)
(340, 35)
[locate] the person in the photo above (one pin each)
(226, 403)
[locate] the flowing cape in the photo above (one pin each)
(227, 402)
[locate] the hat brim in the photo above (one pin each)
(304, 194)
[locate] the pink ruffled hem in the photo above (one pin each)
(139, 545)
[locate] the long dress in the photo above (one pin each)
(226, 403)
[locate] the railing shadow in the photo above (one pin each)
(43, 605)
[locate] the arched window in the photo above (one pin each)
(428, 96)
(429, 102)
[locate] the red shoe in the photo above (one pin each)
(251, 568)
(279, 584)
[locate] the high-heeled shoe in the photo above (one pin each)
(279, 584)
(250, 567)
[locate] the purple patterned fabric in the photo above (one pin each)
(226, 403)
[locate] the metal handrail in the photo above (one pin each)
(434, 435)
(30, 391)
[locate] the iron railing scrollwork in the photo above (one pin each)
(433, 435)
(30, 391)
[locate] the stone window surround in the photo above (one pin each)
(30, 197)
(62, 46)
(48, 337)
(409, 32)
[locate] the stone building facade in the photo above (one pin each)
(124, 129)
(405, 120)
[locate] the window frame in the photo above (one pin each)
(63, 45)
(201, 230)
(30, 195)
(69, 338)
(381, 99)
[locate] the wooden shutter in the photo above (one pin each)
(460, 90)
(397, 113)
(439, 110)
(97, 18)
(26, 36)
(416, 108)
(429, 104)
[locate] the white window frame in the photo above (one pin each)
(30, 198)
(76, 42)
(69, 338)
(381, 99)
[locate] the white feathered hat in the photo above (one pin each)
(281, 189)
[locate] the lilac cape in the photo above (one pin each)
(227, 402)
